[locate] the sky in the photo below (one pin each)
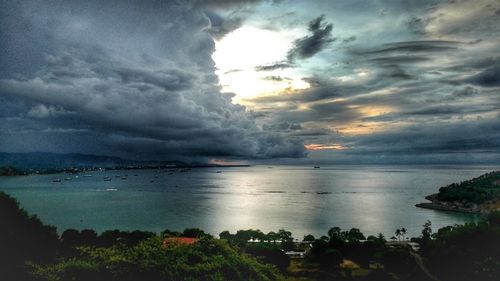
(354, 82)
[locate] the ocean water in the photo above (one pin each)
(375, 199)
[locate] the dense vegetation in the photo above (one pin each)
(208, 259)
(32, 251)
(373, 257)
(477, 190)
(10, 171)
(465, 252)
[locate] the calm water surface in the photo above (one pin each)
(300, 199)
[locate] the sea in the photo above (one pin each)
(300, 199)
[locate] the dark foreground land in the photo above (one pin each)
(30, 250)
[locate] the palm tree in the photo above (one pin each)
(398, 233)
(403, 232)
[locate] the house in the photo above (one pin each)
(176, 241)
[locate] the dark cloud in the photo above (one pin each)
(417, 25)
(114, 82)
(307, 46)
(276, 78)
(282, 126)
(466, 92)
(274, 66)
(233, 71)
(459, 137)
(349, 39)
(310, 45)
(473, 63)
(220, 26)
(226, 4)
(391, 60)
(489, 77)
(103, 78)
(416, 47)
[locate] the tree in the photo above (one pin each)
(381, 237)
(398, 233)
(403, 232)
(284, 235)
(426, 233)
(334, 231)
(194, 233)
(23, 238)
(309, 237)
(272, 236)
(226, 235)
(170, 233)
(354, 235)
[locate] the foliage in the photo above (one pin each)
(309, 237)
(477, 190)
(10, 171)
(325, 255)
(269, 253)
(195, 233)
(208, 259)
(466, 252)
(23, 238)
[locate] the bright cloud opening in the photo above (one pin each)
(240, 52)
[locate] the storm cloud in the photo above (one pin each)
(392, 83)
(128, 85)
(308, 46)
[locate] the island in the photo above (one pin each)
(478, 195)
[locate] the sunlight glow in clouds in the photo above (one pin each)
(239, 52)
(333, 146)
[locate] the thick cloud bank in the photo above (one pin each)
(122, 78)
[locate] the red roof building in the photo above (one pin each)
(174, 241)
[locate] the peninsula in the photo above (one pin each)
(478, 195)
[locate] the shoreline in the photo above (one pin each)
(438, 205)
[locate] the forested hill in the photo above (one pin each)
(476, 190)
(478, 195)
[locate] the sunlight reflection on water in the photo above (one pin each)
(301, 199)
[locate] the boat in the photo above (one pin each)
(317, 167)
(87, 176)
(67, 179)
(107, 179)
(218, 172)
(56, 180)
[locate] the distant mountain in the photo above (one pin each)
(49, 161)
(44, 160)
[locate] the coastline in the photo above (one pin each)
(436, 204)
